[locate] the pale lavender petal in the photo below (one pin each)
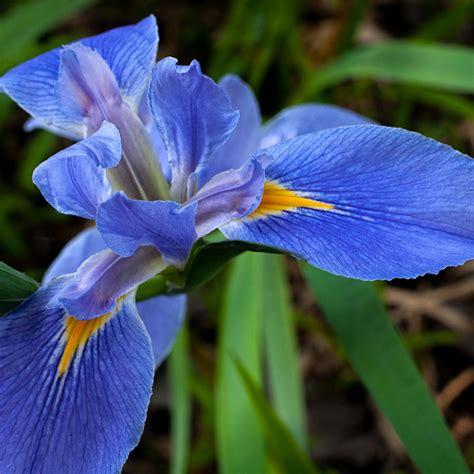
(106, 276)
(228, 195)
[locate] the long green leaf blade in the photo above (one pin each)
(15, 287)
(376, 351)
(281, 349)
(179, 375)
(441, 67)
(27, 21)
(239, 441)
(282, 447)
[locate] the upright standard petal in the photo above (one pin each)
(130, 52)
(366, 202)
(127, 224)
(228, 195)
(194, 116)
(73, 181)
(73, 394)
(245, 138)
(87, 90)
(307, 118)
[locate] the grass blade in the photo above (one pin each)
(178, 373)
(23, 24)
(282, 447)
(286, 386)
(440, 67)
(376, 351)
(239, 441)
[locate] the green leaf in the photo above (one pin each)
(15, 287)
(378, 354)
(179, 375)
(239, 441)
(286, 386)
(448, 22)
(206, 261)
(210, 257)
(282, 446)
(433, 65)
(22, 25)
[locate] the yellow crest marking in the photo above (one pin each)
(78, 333)
(276, 199)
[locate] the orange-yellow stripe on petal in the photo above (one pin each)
(78, 332)
(276, 199)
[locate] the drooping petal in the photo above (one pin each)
(104, 278)
(307, 118)
(366, 202)
(245, 138)
(75, 252)
(228, 195)
(194, 116)
(127, 224)
(73, 181)
(73, 394)
(163, 317)
(32, 86)
(130, 52)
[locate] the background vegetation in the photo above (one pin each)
(283, 368)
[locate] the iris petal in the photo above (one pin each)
(105, 277)
(127, 224)
(130, 52)
(163, 315)
(73, 181)
(83, 416)
(194, 116)
(228, 195)
(87, 90)
(307, 118)
(403, 204)
(244, 140)
(74, 253)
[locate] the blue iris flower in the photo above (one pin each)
(163, 156)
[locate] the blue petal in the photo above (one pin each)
(80, 248)
(194, 116)
(130, 52)
(81, 417)
(105, 277)
(228, 195)
(127, 224)
(86, 90)
(245, 138)
(73, 181)
(403, 204)
(307, 118)
(163, 317)
(35, 124)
